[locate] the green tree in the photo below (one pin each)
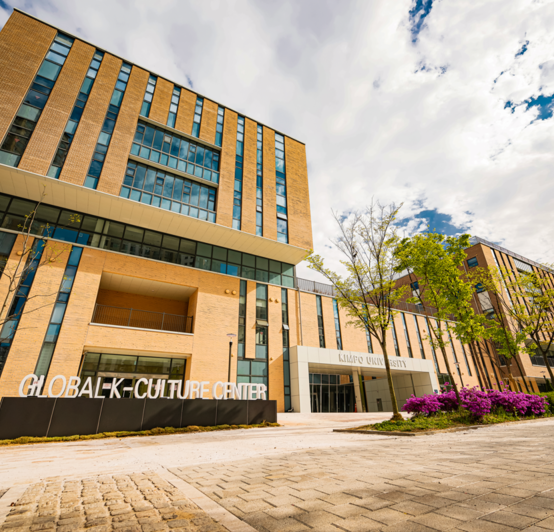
(368, 292)
(435, 261)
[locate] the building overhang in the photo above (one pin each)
(31, 186)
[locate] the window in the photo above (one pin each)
(369, 341)
(472, 262)
(237, 193)
(173, 107)
(219, 126)
(407, 335)
(167, 191)
(75, 116)
(261, 303)
(17, 307)
(261, 322)
(178, 153)
(337, 323)
(394, 337)
(286, 345)
(479, 288)
(281, 189)
(97, 163)
(148, 95)
(86, 230)
(320, 328)
(197, 117)
(419, 336)
(242, 320)
(27, 116)
(259, 181)
(58, 313)
(489, 314)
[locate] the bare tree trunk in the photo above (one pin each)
(511, 379)
(521, 373)
(451, 377)
(478, 365)
(545, 358)
(396, 415)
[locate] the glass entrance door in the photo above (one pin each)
(328, 395)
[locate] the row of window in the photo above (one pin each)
(99, 155)
(75, 116)
(197, 117)
(173, 193)
(176, 152)
(281, 189)
(173, 107)
(237, 192)
(58, 313)
(259, 180)
(148, 96)
(219, 126)
(86, 230)
(27, 116)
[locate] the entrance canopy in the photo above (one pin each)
(410, 375)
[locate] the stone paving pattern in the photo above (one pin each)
(122, 503)
(492, 480)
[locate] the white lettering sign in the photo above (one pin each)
(371, 361)
(33, 386)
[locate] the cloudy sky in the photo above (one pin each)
(442, 105)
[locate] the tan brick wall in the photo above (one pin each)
(139, 302)
(269, 200)
(400, 336)
(329, 322)
(250, 327)
(161, 101)
(298, 195)
(122, 138)
(48, 132)
(150, 343)
(275, 346)
(208, 121)
(185, 113)
(80, 307)
(23, 44)
(79, 157)
(353, 338)
(248, 222)
(29, 338)
(227, 170)
(309, 320)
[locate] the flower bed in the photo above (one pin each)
(440, 411)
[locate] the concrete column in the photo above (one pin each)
(299, 380)
(357, 393)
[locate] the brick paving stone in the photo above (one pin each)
(99, 505)
(510, 519)
(436, 521)
(412, 507)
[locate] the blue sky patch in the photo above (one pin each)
(437, 221)
(523, 49)
(418, 13)
(545, 105)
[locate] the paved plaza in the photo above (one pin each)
(301, 476)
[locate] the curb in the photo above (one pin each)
(431, 432)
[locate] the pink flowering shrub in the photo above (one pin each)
(478, 402)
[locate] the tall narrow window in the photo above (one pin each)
(369, 342)
(237, 195)
(197, 117)
(419, 336)
(286, 345)
(17, 306)
(259, 181)
(432, 346)
(148, 95)
(281, 189)
(7, 241)
(27, 116)
(242, 320)
(337, 324)
(394, 337)
(454, 353)
(97, 163)
(75, 117)
(320, 328)
(407, 335)
(58, 313)
(173, 106)
(219, 126)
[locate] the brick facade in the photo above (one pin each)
(161, 101)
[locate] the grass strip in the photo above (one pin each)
(444, 421)
(24, 440)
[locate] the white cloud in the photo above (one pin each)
(424, 124)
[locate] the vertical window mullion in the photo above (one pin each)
(337, 324)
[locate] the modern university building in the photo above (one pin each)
(166, 223)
